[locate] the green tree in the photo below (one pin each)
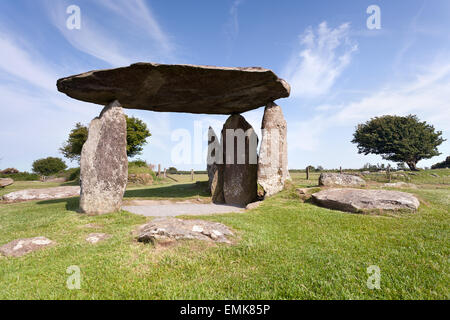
(442, 165)
(137, 134)
(399, 139)
(77, 137)
(49, 166)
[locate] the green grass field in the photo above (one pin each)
(285, 249)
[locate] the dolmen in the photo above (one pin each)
(237, 174)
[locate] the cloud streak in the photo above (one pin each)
(324, 55)
(106, 44)
(427, 95)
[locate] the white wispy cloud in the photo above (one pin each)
(324, 55)
(91, 38)
(426, 94)
(16, 60)
(105, 44)
(139, 14)
(232, 27)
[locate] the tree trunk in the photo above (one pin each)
(412, 165)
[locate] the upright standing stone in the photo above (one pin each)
(215, 169)
(104, 163)
(273, 154)
(239, 142)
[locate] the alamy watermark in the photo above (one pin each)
(74, 19)
(374, 20)
(235, 146)
(74, 280)
(374, 279)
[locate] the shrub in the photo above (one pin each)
(138, 163)
(9, 171)
(49, 166)
(442, 165)
(172, 170)
(21, 176)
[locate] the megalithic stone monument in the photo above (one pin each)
(214, 167)
(163, 88)
(239, 142)
(273, 154)
(104, 163)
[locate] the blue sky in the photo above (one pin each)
(341, 72)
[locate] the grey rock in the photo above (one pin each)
(171, 229)
(340, 179)
(104, 163)
(42, 194)
(214, 169)
(20, 247)
(273, 154)
(178, 88)
(95, 238)
(240, 163)
(4, 182)
(253, 205)
(362, 200)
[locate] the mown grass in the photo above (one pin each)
(285, 249)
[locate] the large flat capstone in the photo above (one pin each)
(178, 88)
(362, 200)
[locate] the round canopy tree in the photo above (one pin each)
(48, 166)
(399, 139)
(137, 134)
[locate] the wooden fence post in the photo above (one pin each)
(307, 173)
(192, 175)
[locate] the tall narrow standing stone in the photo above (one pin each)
(239, 142)
(215, 167)
(104, 163)
(273, 154)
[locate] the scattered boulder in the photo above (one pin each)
(42, 194)
(340, 179)
(240, 162)
(362, 200)
(20, 247)
(104, 162)
(94, 238)
(4, 182)
(170, 229)
(178, 88)
(253, 205)
(401, 185)
(273, 154)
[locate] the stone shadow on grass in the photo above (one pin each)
(72, 204)
(188, 190)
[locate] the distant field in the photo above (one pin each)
(285, 249)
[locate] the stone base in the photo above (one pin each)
(104, 162)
